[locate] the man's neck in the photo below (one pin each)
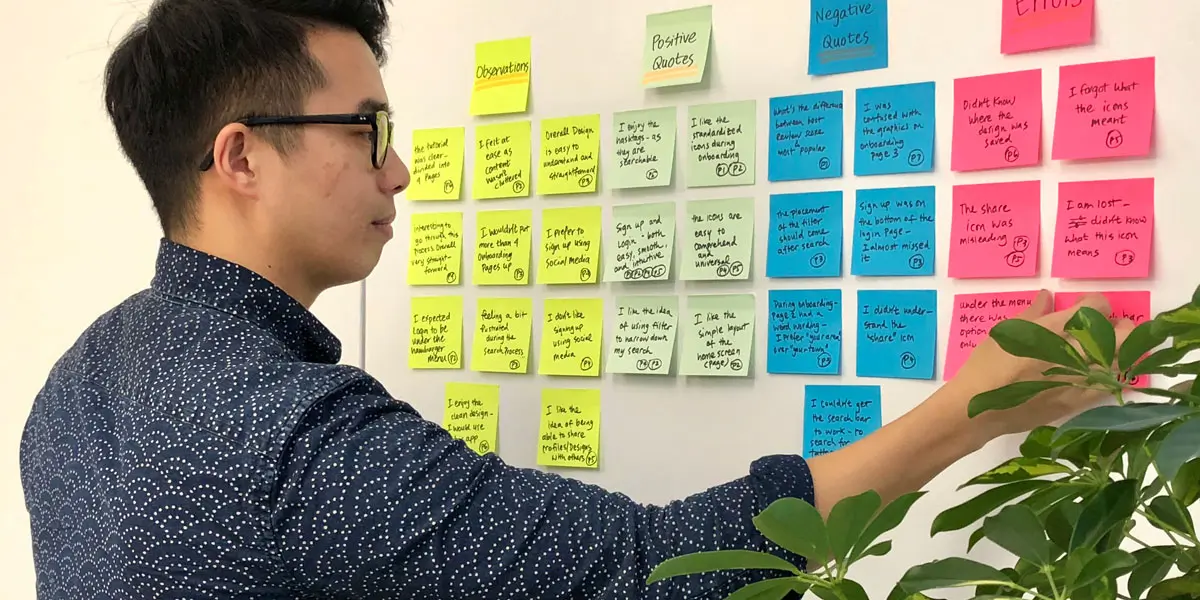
(278, 272)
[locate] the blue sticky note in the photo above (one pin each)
(806, 332)
(894, 129)
(894, 232)
(806, 137)
(836, 416)
(897, 333)
(805, 237)
(847, 35)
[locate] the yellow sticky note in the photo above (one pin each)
(435, 340)
(571, 335)
(502, 159)
(570, 155)
(503, 335)
(502, 70)
(569, 431)
(502, 243)
(437, 164)
(473, 414)
(435, 249)
(570, 245)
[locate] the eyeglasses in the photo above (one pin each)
(380, 122)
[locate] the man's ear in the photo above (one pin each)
(232, 158)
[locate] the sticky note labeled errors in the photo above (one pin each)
(1132, 305)
(472, 414)
(718, 239)
(897, 333)
(894, 129)
(644, 336)
(676, 49)
(643, 148)
(437, 164)
(721, 144)
(570, 155)
(995, 229)
(435, 249)
(435, 338)
(847, 35)
(569, 429)
(1028, 25)
(570, 245)
(973, 317)
(805, 235)
(1104, 229)
(502, 161)
(503, 240)
(502, 71)
(718, 335)
(642, 242)
(836, 416)
(806, 332)
(571, 337)
(1105, 109)
(806, 137)
(894, 232)
(503, 332)
(997, 121)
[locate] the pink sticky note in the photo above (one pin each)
(1104, 229)
(973, 317)
(1105, 109)
(997, 121)
(995, 230)
(1134, 306)
(1039, 24)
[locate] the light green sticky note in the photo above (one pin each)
(643, 148)
(570, 245)
(644, 336)
(718, 335)
(676, 50)
(570, 155)
(718, 239)
(721, 147)
(641, 242)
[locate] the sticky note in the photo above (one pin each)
(1028, 25)
(503, 240)
(894, 232)
(437, 164)
(502, 71)
(718, 335)
(897, 333)
(644, 336)
(571, 336)
(721, 146)
(503, 332)
(1104, 229)
(718, 239)
(1105, 109)
(894, 129)
(997, 121)
(643, 148)
(805, 235)
(995, 229)
(435, 249)
(676, 50)
(806, 137)
(836, 416)
(847, 35)
(570, 155)
(570, 245)
(569, 428)
(973, 317)
(502, 161)
(805, 332)
(642, 242)
(1132, 305)
(435, 340)
(472, 414)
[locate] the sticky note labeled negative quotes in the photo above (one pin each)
(503, 240)
(571, 336)
(502, 159)
(570, 245)
(643, 148)
(997, 121)
(897, 333)
(570, 155)
(1104, 229)
(643, 338)
(995, 229)
(806, 137)
(437, 164)
(502, 72)
(721, 144)
(847, 35)
(836, 416)
(435, 249)
(973, 317)
(676, 49)
(805, 332)
(718, 335)
(1105, 109)
(503, 332)
(435, 339)
(472, 414)
(569, 429)
(805, 235)
(1132, 305)
(894, 129)
(1028, 25)
(894, 232)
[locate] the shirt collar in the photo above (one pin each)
(196, 276)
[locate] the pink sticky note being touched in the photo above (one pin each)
(1104, 229)
(1039, 24)
(1105, 109)
(997, 121)
(995, 229)
(973, 317)
(1134, 306)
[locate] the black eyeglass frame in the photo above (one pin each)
(373, 119)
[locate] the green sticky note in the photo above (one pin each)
(718, 239)
(570, 245)
(570, 155)
(472, 414)
(721, 146)
(502, 70)
(643, 148)
(435, 249)
(571, 342)
(503, 331)
(502, 243)
(676, 49)
(437, 164)
(569, 429)
(502, 160)
(641, 242)
(435, 339)
(718, 335)
(644, 335)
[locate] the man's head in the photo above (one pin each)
(303, 203)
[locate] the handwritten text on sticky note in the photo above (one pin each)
(995, 229)
(571, 336)
(997, 121)
(1105, 109)
(1132, 305)
(836, 416)
(1104, 229)
(718, 239)
(1040, 24)
(502, 71)
(644, 145)
(897, 333)
(721, 144)
(503, 328)
(472, 414)
(502, 161)
(847, 35)
(435, 338)
(806, 332)
(718, 335)
(569, 429)
(894, 232)
(502, 244)
(644, 336)
(570, 245)
(805, 235)
(642, 239)
(570, 155)
(676, 49)
(435, 251)
(806, 137)
(973, 317)
(894, 130)
(437, 164)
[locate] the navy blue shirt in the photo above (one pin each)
(200, 440)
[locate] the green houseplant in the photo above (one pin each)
(1071, 508)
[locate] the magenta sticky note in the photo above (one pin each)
(1132, 305)
(973, 317)
(995, 229)
(1104, 110)
(1104, 229)
(1028, 25)
(997, 121)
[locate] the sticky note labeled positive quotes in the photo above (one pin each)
(997, 121)
(1037, 25)
(676, 50)
(897, 333)
(502, 243)
(995, 229)
(643, 339)
(718, 239)
(569, 429)
(836, 416)
(973, 317)
(503, 331)
(643, 148)
(894, 232)
(437, 164)
(435, 340)
(571, 337)
(472, 414)
(806, 332)
(1132, 305)
(894, 129)
(1104, 229)
(435, 249)
(1105, 109)
(721, 144)
(502, 71)
(570, 155)
(502, 161)
(718, 335)
(641, 242)
(570, 245)
(806, 137)
(805, 238)
(847, 35)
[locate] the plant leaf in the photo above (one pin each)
(1017, 469)
(957, 517)
(1095, 334)
(795, 526)
(1191, 368)
(1017, 529)
(719, 560)
(1180, 446)
(1172, 515)
(1060, 522)
(1186, 488)
(1128, 417)
(1010, 396)
(767, 589)
(848, 519)
(1027, 339)
(1139, 342)
(1037, 442)
(949, 573)
(1154, 360)
(851, 590)
(880, 549)
(1114, 504)
(1186, 587)
(888, 519)
(1063, 372)
(1113, 563)
(1151, 567)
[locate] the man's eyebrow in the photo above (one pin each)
(370, 105)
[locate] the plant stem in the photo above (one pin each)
(1149, 547)
(1163, 527)
(1119, 396)
(1053, 588)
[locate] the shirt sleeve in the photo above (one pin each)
(375, 502)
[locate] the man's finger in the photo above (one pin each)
(1057, 320)
(1042, 304)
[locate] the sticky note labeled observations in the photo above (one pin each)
(718, 335)
(641, 242)
(1028, 25)
(435, 338)
(1104, 229)
(502, 71)
(571, 337)
(503, 240)
(502, 161)
(569, 428)
(806, 137)
(570, 245)
(805, 332)
(836, 416)
(437, 164)
(643, 338)
(894, 232)
(570, 155)
(973, 317)
(847, 35)
(997, 121)
(805, 235)
(676, 50)
(995, 229)
(472, 414)
(1132, 305)
(643, 148)
(435, 249)
(1105, 109)
(894, 129)
(897, 333)
(503, 332)
(721, 144)
(718, 239)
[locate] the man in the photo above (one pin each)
(200, 441)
